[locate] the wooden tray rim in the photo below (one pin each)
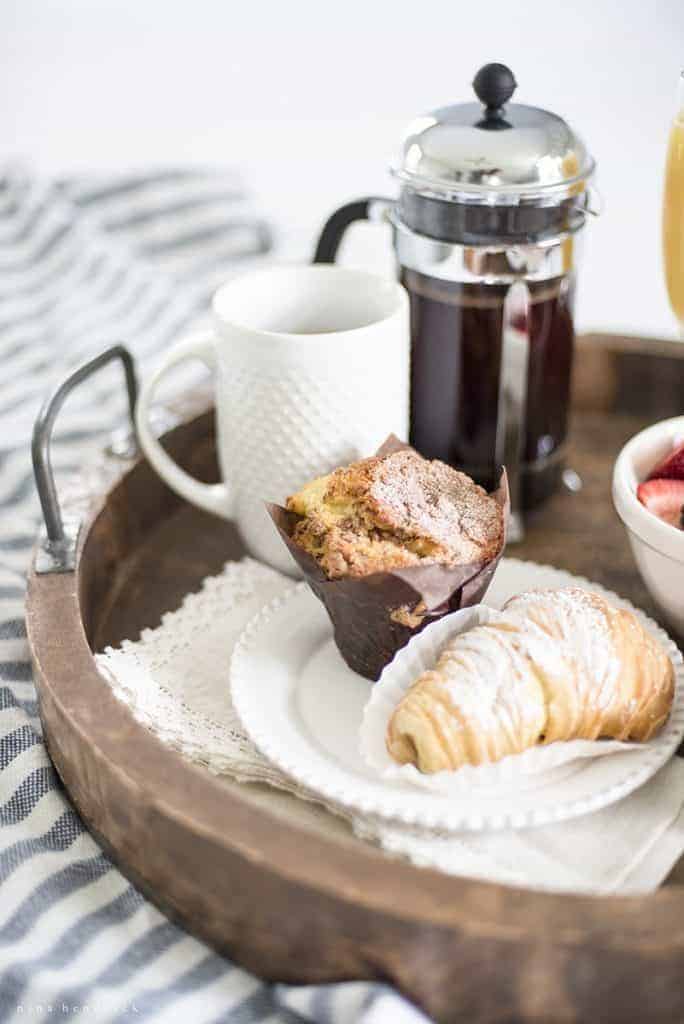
(312, 861)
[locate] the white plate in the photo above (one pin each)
(303, 708)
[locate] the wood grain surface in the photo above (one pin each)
(297, 906)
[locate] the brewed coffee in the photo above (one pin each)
(456, 331)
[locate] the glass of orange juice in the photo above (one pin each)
(673, 211)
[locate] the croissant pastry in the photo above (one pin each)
(553, 665)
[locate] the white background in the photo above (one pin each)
(310, 99)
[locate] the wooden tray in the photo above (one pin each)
(279, 886)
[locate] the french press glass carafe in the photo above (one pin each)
(493, 197)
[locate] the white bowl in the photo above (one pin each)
(658, 547)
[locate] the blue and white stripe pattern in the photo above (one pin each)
(85, 263)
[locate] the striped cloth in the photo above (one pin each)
(85, 263)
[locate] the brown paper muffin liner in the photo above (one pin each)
(374, 616)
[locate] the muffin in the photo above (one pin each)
(394, 511)
(391, 543)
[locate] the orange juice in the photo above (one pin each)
(673, 218)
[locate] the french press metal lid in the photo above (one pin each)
(482, 173)
(491, 191)
(492, 171)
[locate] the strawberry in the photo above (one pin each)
(671, 467)
(665, 498)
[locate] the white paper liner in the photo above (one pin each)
(533, 767)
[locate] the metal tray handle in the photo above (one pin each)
(57, 552)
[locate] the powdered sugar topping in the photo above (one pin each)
(576, 620)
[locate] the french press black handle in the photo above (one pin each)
(371, 208)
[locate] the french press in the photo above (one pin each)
(493, 198)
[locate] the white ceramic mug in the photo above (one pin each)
(311, 368)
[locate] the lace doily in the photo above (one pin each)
(178, 688)
(175, 681)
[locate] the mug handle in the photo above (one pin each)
(214, 498)
(373, 208)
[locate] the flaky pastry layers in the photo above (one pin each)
(555, 665)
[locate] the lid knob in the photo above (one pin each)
(494, 85)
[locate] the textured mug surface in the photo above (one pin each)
(311, 368)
